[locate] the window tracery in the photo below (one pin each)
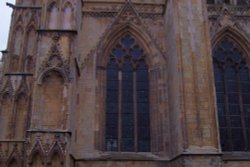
(127, 98)
(232, 82)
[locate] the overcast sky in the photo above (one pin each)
(5, 23)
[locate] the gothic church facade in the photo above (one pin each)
(117, 83)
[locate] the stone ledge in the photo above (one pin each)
(57, 31)
(12, 141)
(119, 156)
(235, 156)
(23, 7)
(48, 131)
(18, 73)
(150, 2)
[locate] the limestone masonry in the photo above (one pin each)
(126, 83)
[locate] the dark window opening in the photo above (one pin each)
(232, 83)
(127, 101)
(210, 2)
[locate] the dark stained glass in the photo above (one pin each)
(210, 1)
(127, 144)
(247, 110)
(118, 52)
(234, 109)
(232, 84)
(136, 52)
(221, 109)
(246, 98)
(224, 139)
(219, 86)
(127, 101)
(143, 117)
(237, 138)
(222, 121)
(218, 73)
(127, 41)
(247, 122)
(112, 107)
(220, 97)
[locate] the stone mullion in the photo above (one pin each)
(135, 111)
(244, 131)
(119, 110)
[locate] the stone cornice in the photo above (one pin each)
(23, 7)
(100, 8)
(149, 2)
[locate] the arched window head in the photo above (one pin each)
(17, 41)
(68, 20)
(31, 40)
(53, 16)
(127, 98)
(232, 84)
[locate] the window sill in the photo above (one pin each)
(133, 156)
(236, 156)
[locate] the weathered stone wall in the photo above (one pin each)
(53, 98)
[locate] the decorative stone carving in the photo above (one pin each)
(8, 87)
(215, 10)
(226, 19)
(55, 61)
(15, 155)
(111, 10)
(23, 88)
(128, 17)
(46, 148)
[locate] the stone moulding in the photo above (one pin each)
(241, 11)
(128, 20)
(101, 9)
(54, 61)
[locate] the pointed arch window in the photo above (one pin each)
(232, 84)
(127, 98)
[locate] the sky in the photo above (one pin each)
(5, 15)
